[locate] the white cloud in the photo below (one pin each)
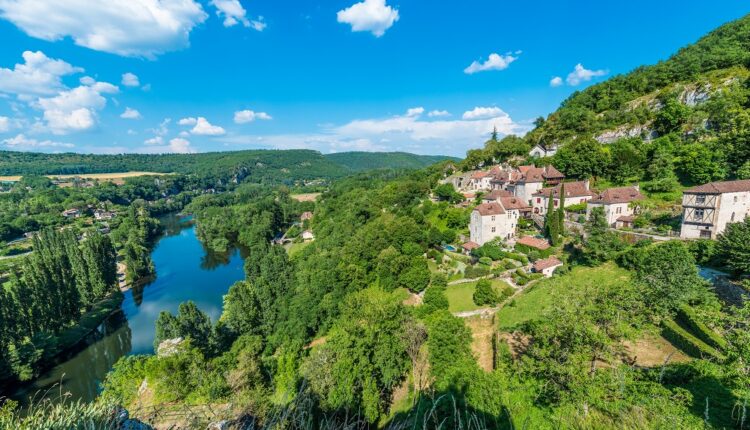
(21, 142)
(181, 146)
(75, 109)
(87, 80)
(398, 133)
(494, 62)
(130, 114)
(438, 113)
(582, 74)
(555, 82)
(245, 116)
(132, 132)
(202, 126)
(4, 124)
(187, 121)
(130, 80)
(156, 140)
(141, 28)
(38, 75)
(483, 112)
(369, 15)
(233, 14)
(415, 111)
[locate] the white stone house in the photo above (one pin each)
(575, 193)
(619, 204)
(547, 266)
(541, 150)
(708, 208)
(492, 220)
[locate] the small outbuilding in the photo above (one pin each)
(547, 266)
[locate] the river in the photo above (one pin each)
(185, 270)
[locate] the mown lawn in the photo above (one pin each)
(460, 296)
(538, 298)
(297, 247)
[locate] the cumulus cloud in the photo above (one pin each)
(139, 28)
(494, 62)
(415, 111)
(75, 109)
(202, 127)
(4, 124)
(130, 114)
(23, 142)
(397, 133)
(177, 145)
(438, 113)
(180, 146)
(582, 74)
(37, 75)
(233, 14)
(130, 80)
(156, 140)
(555, 82)
(369, 15)
(483, 112)
(245, 116)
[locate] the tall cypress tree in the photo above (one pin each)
(561, 211)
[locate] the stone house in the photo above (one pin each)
(541, 150)
(620, 204)
(496, 219)
(708, 208)
(547, 266)
(575, 193)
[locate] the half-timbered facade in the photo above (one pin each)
(708, 208)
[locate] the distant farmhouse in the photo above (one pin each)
(541, 150)
(708, 208)
(619, 205)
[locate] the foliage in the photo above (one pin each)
(733, 246)
(485, 294)
(687, 341)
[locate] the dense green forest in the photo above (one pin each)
(251, 165)
(360, 161)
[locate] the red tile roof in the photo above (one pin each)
(470, 245)
(551, 172)
(572, 189)
(626, 218)
(514, 203)
(618, 195)
(479, 175)
(496, 194)
(534, 242)
(493, 208)
(721, 187)
(546, 263)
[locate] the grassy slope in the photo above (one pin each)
(460, 296)
(532, 303)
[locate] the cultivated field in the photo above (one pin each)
(98, 176)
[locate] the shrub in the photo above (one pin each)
(686, 341)
(484, 294)
(689, 319)
(485, 261)
(472, 272)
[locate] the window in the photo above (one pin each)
(705, 234)
(732, 220)
(538, 199)
(619, 210)
(735, 200)
(698, 215)
(556, 202)
(700, 199)
(493, 229)
(493, 217)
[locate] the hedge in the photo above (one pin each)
(686, 315)
(527, 250)
(687, 342)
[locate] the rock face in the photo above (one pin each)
(169, 347)
(610, 136)
(124, 422)
(695, 96)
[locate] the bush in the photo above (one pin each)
(484, 294)
(435, 299)
(473, 272)
(689, 319)
(485, 261)
(686, 341)
(509, 264)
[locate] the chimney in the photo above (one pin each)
(586, 184)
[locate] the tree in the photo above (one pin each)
(671, 116)
(600, 244)
(734, 246)
(448, 193)
(561, 214)
(551, 220)
(364, 357)
(484, 294)
(582, 158)
(627, 161)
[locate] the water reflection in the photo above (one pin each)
(184, 271)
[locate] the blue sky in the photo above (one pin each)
(431, 77)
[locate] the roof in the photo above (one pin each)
(493, 208)
(572, 189)
(551, 172)
(533, 242)
(532, 174)
(497, 194)
(306, 215)
(511, 202)
(618, 195)
(721, 187)
(546, 263)
(470, 245)
(479, 175)
(626, 218)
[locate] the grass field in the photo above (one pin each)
(308, 197)
(538, 298)
(296, 247)
(460, 296)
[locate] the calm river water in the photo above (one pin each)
(184, 271)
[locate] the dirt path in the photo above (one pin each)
(482, 330)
